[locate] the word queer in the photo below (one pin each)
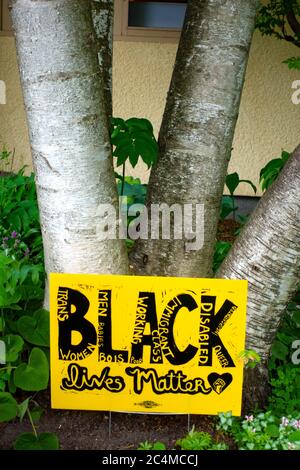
(174, 222)
(161, 338)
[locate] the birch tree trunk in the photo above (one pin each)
(66, 114)
(197, 129)
(267, 253)
(103, 20)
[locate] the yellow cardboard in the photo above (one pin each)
(147, 344)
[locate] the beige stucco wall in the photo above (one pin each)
(268, 120)
(13, 128)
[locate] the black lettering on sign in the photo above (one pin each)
(219, 320)
(78, 379)
(146, 314)
(207, 311)
(172, 382)
(72, 319)
(210, 326)
(166, 333)
(106, 351)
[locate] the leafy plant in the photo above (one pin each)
(280, 18)
(131, 140)
(285, 396)
(228, 204)
(151, 446)
(233, 181)
(133, 190)
(195, 440)
(199, 440)
(263, 431)
(31, 441)
(284, 375)
(272, 170)
(5, 156)
(8, 407)
(227, 207)
(221, 251)
(293, 63)
(24, 325)
(250, 358)
(20, 233)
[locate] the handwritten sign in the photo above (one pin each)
(147, 344)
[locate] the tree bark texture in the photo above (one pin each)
(103, 20)
(198, 127)
(66, 113)
(267, 254)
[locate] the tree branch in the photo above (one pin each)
(293, 22)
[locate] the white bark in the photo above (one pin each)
(197, 129)
(66, 114)
(267, 254)
(103, 20)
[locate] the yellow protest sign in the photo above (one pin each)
(147, 344)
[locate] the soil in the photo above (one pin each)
(227, 229)
(89, 430)
(86, 430)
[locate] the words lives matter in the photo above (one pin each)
(73, 306)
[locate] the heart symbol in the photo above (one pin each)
(219, 382)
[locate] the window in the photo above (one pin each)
(145, 20)
(5, 23)
(138, 20)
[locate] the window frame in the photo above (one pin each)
(5, 22)
(123, 32)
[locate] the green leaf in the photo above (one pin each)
(121, 139)
(227, 207)
(35, 275)
(36, 413)
(279, 350)
(35, 329)
(8, 407)
(293, 63)
(232, 182)
(133, 157)
(296, 316)
(158, 446)
(272, 430)
(122, 152)
(285, 155)
(118, 122)
(43, 441)
(294, 436)
(135, 139)
(139, 123)
(270, 172)
(23, 407)
(33, 376)
(14, 345)
(251, 184)
(4, 260)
